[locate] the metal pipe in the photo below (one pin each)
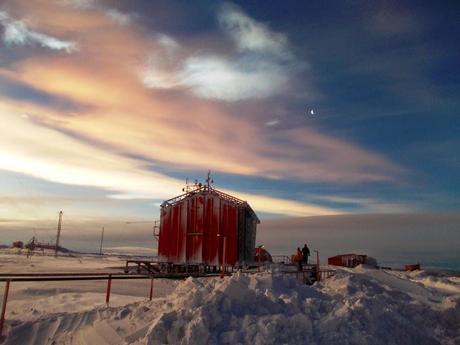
(52, 279)
(104, 277)
(5, 299)
(57, 274)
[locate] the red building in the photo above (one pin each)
(207, 227)
(347, 260)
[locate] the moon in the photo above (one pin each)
(312, 112)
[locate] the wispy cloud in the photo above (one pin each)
(219, 78)
(260, 67)
(250, 35)
(16, 32)
(120, 18)
(83, 4)
(170, 131)
(272, 123)
(65, 160)
(366, 205)
(177, 131)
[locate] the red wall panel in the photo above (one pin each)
(194, 230)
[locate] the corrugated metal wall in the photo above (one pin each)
(195, 229)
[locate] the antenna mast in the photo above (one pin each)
(209, 180)
(102, 240)
(58, 234)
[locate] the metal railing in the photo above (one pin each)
(201, 190)
(8, 278)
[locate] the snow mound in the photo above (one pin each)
(361, 307)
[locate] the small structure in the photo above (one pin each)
(412, 267)
(206, 227)
(347, 260)
(18, 244)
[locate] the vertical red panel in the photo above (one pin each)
(221, 233)
(229, 228)
(174, 233)
(190, 229)
(211, 230)
(162, 239)
(165, 234)
(207, 227)
(197, 236)
(182, 240)
(212, 216)
(231, 238)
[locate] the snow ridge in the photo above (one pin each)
(354, 307)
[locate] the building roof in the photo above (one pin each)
(210, 190)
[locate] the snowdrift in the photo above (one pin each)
(360, 306)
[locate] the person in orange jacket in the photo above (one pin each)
(299, 258)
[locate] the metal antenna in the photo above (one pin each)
(58, 233)
(102, 240)
(209, 179)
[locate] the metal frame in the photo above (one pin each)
(210, 190)
(201, 189)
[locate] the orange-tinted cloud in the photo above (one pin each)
(174, 128)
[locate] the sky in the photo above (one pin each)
(309, 108)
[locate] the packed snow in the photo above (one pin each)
(355, 306)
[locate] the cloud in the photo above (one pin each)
(176, 132)
(215, 77)
(272, 123)
(173, 130)
(368, 205)
(250, 35)
(82, 4)
(16, 32)
(120, 18)
(65, 160)
(161, 70)
(260, 68)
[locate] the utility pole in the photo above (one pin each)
(102, 240)
(58, 233)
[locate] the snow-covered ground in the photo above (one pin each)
(355, 306)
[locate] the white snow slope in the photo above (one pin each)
(360, 306)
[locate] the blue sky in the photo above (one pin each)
(106, 107)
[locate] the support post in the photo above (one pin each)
(109, 287)
(5, 300)
(151, 289)
(58, 234)
(318, 273)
